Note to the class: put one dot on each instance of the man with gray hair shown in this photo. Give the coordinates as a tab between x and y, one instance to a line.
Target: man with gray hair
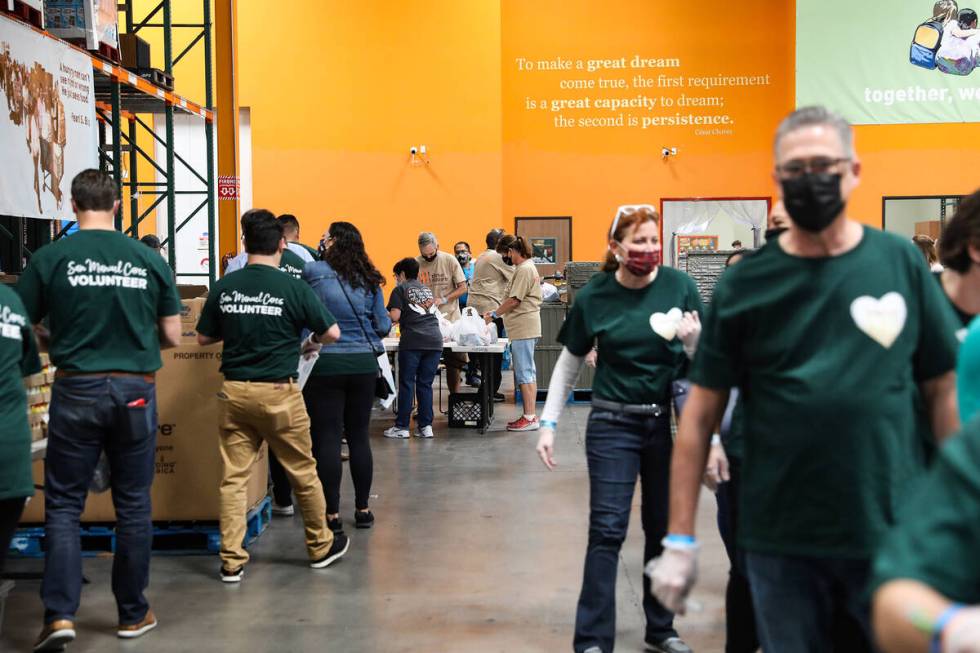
443	275
836	337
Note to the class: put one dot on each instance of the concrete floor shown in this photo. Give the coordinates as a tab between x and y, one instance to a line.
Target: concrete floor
476	548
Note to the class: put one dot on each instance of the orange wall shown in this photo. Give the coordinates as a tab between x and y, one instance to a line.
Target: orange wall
339	91
587	173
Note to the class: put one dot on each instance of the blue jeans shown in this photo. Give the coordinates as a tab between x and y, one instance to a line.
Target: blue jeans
416	372
90	414
621	448
810	605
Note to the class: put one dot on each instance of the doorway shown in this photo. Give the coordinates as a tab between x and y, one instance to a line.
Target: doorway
910	215
550	239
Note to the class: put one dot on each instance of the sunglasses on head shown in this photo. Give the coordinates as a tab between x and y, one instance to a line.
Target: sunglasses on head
625	210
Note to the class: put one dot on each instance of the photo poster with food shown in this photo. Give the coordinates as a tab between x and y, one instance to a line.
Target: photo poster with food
96	21
48	129
544	250
697	244
879	63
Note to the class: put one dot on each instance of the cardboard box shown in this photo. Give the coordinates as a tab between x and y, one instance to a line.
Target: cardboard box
190	313
188	464
189	291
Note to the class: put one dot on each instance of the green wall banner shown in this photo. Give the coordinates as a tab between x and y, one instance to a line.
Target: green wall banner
886	62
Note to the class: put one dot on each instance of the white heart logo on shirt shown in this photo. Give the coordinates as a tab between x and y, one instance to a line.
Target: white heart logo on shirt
883	319
961	335
665	324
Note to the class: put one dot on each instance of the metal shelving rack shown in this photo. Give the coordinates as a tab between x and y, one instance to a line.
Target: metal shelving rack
122	96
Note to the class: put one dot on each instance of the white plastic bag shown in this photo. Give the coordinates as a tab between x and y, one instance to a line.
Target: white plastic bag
445	326
471	329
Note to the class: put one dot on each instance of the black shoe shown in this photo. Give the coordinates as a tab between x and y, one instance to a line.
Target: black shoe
499	397
335	525
473	381
363	519
232	575
669	645
340	545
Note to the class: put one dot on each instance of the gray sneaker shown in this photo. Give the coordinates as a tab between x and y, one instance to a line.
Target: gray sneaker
669	645
593	649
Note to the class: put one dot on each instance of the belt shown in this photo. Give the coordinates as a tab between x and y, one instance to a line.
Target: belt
65	374
285	381
652	410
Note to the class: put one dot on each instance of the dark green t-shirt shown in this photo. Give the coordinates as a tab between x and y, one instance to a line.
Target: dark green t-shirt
938	531
104	294
291	264
315	254
828	354
18	358
260	313
639	353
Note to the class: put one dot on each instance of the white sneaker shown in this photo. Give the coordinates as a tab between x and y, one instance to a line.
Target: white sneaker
423	432
283	511
397	433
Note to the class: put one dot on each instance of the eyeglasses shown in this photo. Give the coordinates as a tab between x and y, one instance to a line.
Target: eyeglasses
628	209
818	166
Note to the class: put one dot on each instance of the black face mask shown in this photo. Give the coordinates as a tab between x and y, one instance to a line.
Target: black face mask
463	258
813	201
429	259
773	234
508	260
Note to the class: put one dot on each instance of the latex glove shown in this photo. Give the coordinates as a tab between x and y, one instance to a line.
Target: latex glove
673	575
546	447
716	471
962	634
592	358
688	332
309	348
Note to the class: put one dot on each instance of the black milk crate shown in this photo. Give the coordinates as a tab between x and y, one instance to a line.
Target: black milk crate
465	410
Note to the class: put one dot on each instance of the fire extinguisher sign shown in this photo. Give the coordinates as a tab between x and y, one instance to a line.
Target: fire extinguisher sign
227	188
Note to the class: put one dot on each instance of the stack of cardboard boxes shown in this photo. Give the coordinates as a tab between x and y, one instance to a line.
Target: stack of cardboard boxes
188	463
38	398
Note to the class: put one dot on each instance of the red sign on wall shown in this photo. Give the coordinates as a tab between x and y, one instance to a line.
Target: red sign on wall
227	187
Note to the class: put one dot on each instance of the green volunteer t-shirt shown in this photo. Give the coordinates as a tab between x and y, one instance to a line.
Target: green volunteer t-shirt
315	254
639	352
935	541
828	354
103	294
291	264
260	313
18	358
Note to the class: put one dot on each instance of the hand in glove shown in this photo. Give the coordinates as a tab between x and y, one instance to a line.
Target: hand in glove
688	332
674	573
716	471
962	634
310	348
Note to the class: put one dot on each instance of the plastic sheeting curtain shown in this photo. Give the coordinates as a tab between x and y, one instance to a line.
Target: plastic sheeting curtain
697	215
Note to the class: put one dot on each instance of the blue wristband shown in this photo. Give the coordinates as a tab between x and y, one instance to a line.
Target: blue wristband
936	646
686	540
548	424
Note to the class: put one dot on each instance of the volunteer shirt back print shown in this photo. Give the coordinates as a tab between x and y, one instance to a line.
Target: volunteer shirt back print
260	312
103	294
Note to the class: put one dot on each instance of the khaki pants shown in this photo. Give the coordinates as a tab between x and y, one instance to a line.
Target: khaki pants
250	413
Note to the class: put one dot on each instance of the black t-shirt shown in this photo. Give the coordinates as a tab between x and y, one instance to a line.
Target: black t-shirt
419	327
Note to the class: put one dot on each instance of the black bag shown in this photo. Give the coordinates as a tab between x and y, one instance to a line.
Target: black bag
381	387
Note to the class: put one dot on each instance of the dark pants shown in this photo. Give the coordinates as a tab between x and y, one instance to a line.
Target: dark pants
282	491
416	372
810	605
740	635
340	406
619	449
10	511
90	414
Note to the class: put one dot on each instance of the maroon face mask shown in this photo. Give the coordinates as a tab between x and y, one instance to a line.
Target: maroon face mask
640	263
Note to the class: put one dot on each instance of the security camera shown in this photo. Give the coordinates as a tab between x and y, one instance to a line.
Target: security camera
414	150
665	151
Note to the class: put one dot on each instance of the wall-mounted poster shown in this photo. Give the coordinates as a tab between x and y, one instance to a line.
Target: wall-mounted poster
697	244
48	131
543	250
96	21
